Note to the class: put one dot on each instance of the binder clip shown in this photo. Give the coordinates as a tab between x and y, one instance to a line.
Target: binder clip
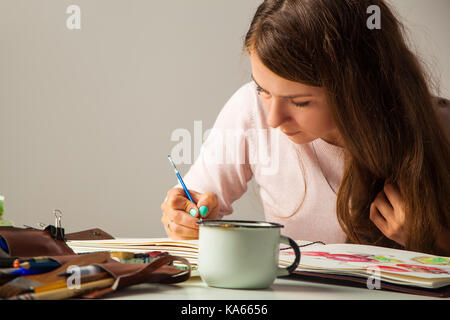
56	231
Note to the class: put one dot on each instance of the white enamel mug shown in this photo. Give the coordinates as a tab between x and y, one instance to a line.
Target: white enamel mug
242	254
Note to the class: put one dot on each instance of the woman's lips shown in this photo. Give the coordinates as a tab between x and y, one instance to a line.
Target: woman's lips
290	134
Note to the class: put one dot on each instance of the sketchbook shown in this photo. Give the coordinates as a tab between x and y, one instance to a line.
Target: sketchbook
388	265
183	248
393	267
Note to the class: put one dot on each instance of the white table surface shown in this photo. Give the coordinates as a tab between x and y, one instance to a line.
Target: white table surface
282	289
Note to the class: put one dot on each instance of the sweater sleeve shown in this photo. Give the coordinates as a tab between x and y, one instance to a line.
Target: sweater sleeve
223	165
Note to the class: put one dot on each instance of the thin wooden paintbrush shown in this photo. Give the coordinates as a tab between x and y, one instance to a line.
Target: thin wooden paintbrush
65	293
23	285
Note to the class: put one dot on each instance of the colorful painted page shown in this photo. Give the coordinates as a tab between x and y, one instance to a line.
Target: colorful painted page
392	265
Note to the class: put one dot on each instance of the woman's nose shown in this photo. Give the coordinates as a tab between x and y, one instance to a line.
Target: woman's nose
276	114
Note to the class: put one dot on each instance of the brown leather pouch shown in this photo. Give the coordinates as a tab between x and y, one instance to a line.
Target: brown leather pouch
50	242
29	242
121	275
128	274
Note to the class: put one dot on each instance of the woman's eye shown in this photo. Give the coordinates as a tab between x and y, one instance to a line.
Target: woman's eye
260	91
300	105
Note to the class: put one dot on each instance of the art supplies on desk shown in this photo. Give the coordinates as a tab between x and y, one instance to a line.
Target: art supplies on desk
38	264
132	257
64	292
24	288
92	275
398	270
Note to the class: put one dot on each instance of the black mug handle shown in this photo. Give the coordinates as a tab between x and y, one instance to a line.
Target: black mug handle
287	271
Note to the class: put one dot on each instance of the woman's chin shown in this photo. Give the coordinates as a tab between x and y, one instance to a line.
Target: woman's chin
300	138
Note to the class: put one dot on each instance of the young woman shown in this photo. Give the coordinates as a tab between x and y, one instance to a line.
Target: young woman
358	148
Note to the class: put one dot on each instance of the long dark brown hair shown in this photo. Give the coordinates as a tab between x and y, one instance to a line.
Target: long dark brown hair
382	105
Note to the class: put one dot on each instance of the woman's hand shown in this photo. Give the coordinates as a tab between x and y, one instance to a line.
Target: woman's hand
180	215
387	212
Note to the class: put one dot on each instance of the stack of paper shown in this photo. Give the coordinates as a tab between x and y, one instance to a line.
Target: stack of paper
183	248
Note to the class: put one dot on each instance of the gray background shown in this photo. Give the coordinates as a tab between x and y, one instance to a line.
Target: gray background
86	116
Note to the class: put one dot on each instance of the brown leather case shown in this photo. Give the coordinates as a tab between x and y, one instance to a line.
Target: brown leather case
124	274
128	274
30	242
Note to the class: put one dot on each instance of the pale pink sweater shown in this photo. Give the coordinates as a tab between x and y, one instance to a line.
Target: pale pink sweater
297	183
